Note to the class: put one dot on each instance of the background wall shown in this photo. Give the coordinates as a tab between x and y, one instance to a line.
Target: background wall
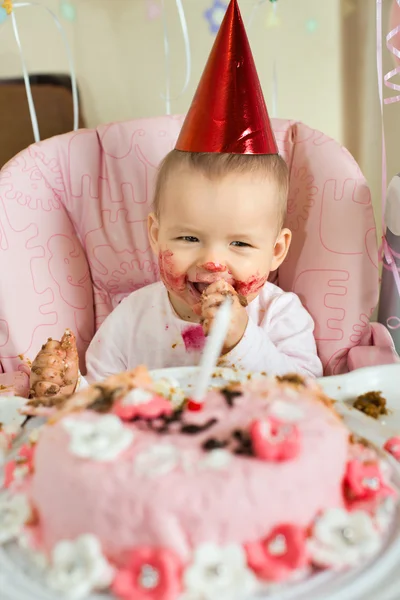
325	54
119	55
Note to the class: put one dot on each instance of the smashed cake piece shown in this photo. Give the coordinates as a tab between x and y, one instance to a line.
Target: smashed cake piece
292	378
372	404
55	370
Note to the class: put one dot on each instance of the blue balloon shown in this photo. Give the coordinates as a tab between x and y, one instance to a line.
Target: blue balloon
3	15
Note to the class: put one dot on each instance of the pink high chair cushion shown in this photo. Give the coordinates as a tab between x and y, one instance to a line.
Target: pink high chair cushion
73	235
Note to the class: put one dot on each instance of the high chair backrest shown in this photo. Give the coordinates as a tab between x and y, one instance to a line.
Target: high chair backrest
73	238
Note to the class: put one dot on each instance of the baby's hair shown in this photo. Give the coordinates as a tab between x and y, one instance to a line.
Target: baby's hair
215	165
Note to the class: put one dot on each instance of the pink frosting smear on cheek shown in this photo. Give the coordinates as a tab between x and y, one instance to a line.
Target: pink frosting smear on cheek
175	282
193	338
251	286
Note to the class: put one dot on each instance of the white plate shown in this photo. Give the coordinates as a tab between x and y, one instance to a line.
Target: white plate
379	578
9	415
385	379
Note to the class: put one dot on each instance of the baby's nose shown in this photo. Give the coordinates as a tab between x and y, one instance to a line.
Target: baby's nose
213	267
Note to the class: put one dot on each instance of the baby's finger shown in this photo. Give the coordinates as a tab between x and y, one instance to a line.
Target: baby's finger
210	313
212	301
220	286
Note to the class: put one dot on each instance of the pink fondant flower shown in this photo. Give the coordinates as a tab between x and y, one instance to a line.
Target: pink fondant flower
393	447
20	467
364	481
280	554
142	403
151	574
275	440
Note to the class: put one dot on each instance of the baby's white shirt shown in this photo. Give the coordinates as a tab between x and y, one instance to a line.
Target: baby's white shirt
145	330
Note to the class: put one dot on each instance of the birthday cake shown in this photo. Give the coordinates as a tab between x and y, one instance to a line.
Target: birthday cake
261	483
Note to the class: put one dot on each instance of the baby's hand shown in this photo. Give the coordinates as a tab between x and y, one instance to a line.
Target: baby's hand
55	369
211	300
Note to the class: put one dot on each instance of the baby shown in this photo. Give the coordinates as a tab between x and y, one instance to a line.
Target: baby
217	229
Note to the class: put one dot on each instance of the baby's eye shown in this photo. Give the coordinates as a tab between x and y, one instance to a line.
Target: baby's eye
188	238
238	244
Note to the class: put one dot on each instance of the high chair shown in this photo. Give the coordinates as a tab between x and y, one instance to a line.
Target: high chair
73	240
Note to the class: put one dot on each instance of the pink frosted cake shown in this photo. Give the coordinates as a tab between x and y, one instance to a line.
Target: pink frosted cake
261	484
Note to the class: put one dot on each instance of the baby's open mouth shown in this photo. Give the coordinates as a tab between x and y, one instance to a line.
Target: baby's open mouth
200	286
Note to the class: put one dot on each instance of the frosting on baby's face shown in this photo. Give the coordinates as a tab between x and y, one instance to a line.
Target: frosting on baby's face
212	229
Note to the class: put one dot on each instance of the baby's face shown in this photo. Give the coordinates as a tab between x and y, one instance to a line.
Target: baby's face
216	229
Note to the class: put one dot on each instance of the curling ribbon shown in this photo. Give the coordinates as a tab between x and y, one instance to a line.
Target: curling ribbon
254	10
9	6
385	249
185	33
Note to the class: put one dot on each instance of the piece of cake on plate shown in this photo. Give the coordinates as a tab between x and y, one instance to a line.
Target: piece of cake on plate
260	485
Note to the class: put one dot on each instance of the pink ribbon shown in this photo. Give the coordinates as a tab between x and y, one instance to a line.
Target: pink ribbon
385	249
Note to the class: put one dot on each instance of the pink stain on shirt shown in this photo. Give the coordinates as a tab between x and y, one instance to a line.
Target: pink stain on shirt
193	338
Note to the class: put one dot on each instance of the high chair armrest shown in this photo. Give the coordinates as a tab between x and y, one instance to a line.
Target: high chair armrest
381	351
15	383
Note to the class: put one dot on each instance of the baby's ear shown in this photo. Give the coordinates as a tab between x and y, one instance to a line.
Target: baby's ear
153	229
281	248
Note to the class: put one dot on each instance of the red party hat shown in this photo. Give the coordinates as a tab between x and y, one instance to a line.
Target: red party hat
228	112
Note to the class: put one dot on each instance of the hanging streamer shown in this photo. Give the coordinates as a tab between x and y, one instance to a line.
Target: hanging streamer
185	33
386	253
9	7
256	6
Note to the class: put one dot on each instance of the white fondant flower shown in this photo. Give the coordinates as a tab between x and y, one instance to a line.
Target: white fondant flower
342	539
218	572
78	568
286	411
136	397
102	439
171	389
158	459
14	513
217	459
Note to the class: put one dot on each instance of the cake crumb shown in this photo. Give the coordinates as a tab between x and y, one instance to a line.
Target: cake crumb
174	346
292	378
355	439
372	404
